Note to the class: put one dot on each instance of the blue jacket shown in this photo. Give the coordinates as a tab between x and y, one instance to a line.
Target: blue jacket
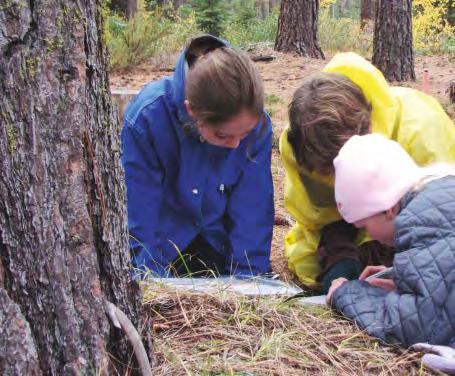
179	187
422	308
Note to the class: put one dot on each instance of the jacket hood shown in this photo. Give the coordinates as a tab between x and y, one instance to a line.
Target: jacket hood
374	87
385	108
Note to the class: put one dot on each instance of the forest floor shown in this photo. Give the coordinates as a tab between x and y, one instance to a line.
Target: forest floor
335	346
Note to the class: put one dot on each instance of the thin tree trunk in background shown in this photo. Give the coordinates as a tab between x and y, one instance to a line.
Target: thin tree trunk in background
392	42
118	6
273	4
452	91
263	9
63	233
131	9
367	12
297	28
178	3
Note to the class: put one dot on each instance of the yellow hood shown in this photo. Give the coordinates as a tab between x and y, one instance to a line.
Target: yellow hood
374	87
412	118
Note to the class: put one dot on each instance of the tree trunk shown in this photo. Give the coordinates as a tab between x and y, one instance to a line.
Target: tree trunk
452	91
263	9
297	28
178	3
273	4
118	6
367	12
63	233
392	42
131	9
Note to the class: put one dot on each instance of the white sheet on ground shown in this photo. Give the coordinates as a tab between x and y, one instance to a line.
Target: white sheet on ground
318	299
244	286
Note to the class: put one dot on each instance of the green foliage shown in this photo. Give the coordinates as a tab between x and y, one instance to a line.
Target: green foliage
270	102
448	47
211	15
159	29
343	34
11	136
432	33
148	34
243	12
352	10
242	31
271	99
186	10
451	13
339	27
165	7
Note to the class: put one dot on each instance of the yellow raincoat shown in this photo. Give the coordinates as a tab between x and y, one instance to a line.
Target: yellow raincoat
412	118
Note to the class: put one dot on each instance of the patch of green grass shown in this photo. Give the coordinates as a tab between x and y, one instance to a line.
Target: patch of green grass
271	102
271	99
245	29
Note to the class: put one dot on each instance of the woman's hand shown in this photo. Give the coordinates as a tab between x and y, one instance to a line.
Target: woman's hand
386	284
335	284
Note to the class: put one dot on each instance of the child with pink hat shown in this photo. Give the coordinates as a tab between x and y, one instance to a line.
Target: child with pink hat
379	187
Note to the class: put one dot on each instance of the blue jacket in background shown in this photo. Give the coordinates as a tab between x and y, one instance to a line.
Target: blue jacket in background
179	186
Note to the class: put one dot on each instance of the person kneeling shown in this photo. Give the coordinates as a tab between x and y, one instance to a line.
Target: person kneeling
380	188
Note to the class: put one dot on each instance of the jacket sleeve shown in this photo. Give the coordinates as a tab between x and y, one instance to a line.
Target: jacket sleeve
302	240
311	214
143	176
366	305
425	130
251	212
404	316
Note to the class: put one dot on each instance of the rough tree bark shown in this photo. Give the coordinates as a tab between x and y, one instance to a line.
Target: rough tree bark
367	12
392	42
63	234
297	28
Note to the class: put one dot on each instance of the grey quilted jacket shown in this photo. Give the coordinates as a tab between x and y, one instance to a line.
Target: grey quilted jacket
422	308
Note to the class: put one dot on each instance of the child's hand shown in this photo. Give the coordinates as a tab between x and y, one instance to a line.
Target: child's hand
386	284
370	270
438	358
335	284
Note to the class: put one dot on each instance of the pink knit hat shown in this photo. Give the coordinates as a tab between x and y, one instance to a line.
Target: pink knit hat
372	174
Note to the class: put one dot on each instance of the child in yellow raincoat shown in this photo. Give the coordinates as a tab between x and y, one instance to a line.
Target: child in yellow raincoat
350	96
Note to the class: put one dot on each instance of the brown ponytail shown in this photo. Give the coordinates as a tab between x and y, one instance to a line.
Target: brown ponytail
222	83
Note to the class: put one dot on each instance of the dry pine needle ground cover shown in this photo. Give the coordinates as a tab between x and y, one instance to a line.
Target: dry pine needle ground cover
227	334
